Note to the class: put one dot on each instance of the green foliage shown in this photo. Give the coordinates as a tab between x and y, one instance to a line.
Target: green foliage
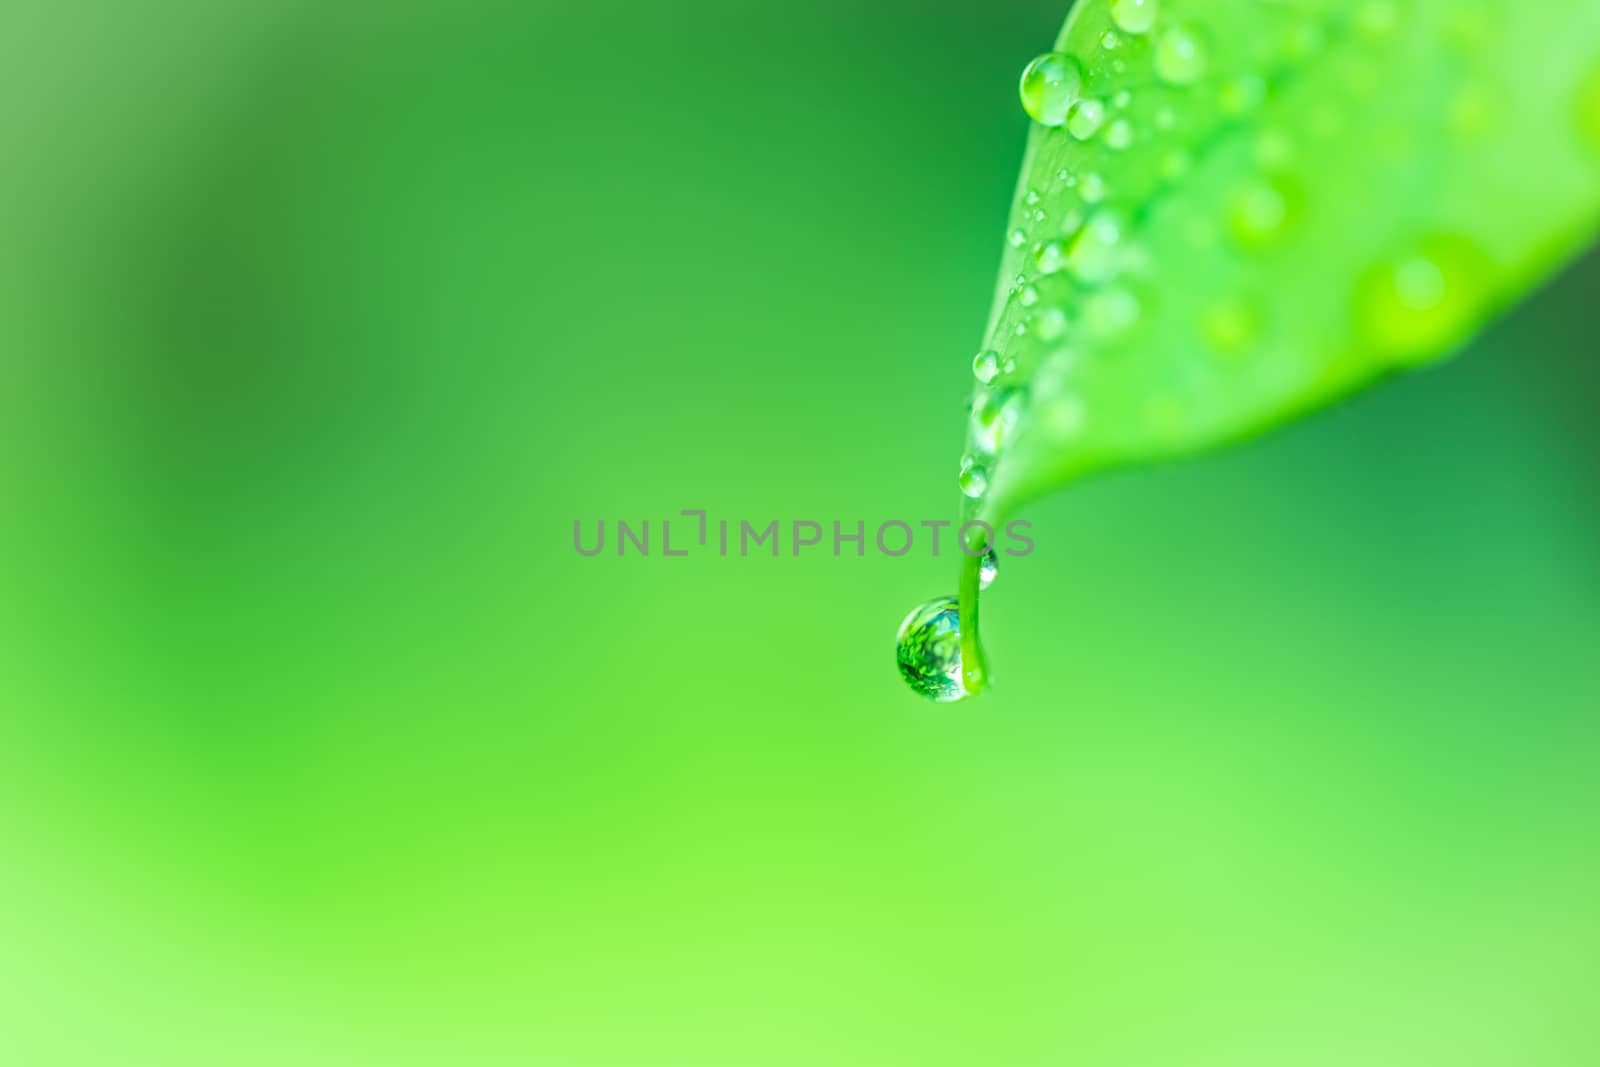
1234	211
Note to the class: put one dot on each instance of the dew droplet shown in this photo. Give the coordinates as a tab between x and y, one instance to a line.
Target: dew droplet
1092	188
1029	296
1050	85
1093	255
1085	118
1110	312
1180	56
1032	197
1134	16
996	418
1420	303
1050	323
1261	211
1122	99
989	569
928	650
1109	40
985	365
1119	135
1018	238
974	480
1051	257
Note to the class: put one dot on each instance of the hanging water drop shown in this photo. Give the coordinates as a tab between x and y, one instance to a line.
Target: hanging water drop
989	569
928	650
1050	86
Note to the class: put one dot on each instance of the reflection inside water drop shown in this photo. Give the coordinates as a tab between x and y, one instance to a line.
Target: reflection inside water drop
928	650
989	569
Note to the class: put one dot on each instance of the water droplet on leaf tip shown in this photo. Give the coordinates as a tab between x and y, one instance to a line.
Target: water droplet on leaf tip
989	569
928	650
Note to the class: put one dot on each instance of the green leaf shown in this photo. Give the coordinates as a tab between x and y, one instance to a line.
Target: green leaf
1254	207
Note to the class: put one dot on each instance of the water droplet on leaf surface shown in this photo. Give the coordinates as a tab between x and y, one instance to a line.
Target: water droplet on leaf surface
1085	118
974	480
1050	86
1134	16
1180	56
985	365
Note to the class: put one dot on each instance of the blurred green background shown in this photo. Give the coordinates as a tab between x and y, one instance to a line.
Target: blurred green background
320	326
